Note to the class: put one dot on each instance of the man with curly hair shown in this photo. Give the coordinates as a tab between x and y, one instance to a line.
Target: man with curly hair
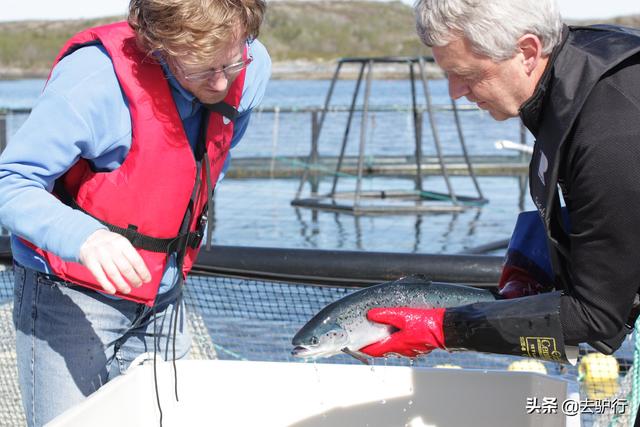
107	187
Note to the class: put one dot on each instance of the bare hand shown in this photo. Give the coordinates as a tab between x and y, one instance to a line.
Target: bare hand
113	261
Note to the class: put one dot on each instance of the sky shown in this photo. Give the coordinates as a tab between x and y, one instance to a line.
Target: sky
15	10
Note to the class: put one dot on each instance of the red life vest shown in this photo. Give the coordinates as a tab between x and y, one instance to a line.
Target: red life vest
152	189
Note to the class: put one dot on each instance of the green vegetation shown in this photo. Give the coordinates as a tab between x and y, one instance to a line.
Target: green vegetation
326	30
313	31
28	48
293	30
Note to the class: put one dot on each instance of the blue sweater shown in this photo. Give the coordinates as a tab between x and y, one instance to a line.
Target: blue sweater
82	113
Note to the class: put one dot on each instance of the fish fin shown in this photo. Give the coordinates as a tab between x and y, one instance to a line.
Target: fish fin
355	355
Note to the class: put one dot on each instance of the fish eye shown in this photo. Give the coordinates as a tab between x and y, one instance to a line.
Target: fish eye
314	340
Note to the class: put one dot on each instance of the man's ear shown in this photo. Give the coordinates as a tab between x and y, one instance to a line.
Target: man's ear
530	47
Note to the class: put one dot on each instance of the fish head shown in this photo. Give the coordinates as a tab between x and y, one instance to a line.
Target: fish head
320	337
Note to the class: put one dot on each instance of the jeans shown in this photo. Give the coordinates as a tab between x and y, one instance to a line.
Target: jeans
71	340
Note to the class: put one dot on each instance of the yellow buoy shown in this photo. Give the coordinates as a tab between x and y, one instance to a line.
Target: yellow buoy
528	365
599	375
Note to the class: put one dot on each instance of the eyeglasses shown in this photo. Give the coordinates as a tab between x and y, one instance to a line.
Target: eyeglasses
230	71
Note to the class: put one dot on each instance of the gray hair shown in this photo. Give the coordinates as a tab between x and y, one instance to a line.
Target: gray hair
492	26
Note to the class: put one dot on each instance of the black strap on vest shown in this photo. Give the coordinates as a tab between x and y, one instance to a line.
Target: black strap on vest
224	109
139	240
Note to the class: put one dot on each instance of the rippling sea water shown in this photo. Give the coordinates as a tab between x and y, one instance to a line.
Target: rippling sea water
257	212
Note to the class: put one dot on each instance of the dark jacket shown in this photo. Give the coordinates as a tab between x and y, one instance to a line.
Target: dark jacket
585	116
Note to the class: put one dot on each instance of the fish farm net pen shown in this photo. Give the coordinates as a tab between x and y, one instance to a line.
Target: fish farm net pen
244	319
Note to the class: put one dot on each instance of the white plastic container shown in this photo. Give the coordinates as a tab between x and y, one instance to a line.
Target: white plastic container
236	393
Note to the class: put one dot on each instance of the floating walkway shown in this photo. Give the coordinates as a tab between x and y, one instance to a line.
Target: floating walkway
400	166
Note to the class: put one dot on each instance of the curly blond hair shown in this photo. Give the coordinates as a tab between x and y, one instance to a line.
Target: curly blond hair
194	29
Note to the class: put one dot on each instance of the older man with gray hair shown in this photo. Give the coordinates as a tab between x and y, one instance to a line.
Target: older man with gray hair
577	89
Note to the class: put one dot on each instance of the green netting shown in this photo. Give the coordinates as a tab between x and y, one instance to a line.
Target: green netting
246	319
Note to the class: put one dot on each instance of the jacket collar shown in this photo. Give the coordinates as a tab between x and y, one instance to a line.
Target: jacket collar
532	107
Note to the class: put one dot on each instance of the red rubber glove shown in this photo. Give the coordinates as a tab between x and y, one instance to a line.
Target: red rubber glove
420	331
516	282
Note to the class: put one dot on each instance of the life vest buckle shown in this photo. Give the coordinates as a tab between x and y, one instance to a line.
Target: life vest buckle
195	237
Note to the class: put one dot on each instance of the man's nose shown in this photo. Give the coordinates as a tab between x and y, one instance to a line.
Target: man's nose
457	88
218	82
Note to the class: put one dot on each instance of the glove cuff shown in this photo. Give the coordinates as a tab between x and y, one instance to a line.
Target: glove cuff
528	326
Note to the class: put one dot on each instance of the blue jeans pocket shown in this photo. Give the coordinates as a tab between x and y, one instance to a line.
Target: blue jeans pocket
47	281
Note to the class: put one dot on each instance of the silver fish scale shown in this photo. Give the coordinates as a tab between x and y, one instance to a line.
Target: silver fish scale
415	295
